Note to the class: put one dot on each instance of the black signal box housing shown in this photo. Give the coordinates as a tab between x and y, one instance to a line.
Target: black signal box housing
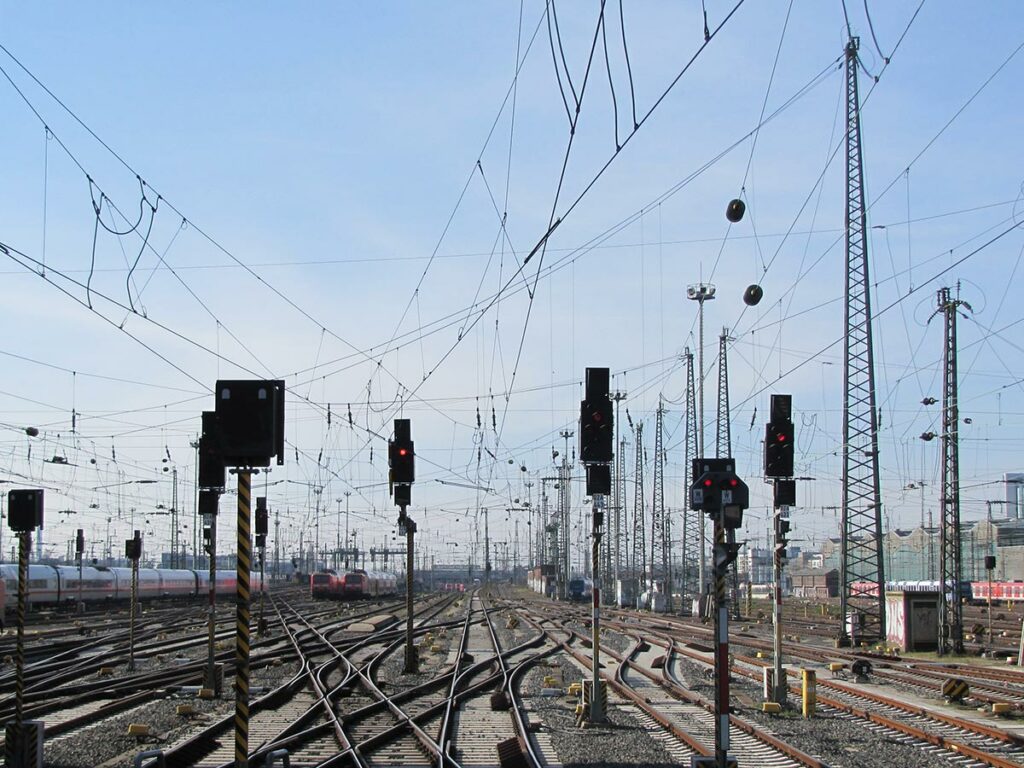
133	547
25	509
262	520
250	421
785	493
212	472
599	479
208	502
403	495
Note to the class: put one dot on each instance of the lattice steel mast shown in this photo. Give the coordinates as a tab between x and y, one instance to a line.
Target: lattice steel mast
625	569
951	617
723	447
723	433
661	527
861	547
618	527
693	546
639	537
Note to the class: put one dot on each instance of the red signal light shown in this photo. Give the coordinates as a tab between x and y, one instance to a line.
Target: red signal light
596	416
781	438
403	451
733	482
707	483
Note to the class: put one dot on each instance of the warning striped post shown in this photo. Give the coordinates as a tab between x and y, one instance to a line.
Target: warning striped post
242	622
24	545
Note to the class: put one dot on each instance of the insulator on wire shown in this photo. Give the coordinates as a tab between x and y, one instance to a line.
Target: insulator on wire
752	296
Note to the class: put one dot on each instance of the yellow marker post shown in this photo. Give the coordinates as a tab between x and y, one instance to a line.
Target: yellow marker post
810	691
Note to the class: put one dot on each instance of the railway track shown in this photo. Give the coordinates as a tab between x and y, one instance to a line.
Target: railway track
685	716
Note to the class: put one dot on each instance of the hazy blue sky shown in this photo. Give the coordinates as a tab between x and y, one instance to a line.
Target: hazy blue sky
359	158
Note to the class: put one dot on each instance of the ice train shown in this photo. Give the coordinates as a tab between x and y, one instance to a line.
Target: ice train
57	584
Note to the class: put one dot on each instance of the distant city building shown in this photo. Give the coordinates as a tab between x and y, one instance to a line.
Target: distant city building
913	554
815	583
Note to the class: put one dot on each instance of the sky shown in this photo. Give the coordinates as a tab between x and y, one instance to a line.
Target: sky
362	198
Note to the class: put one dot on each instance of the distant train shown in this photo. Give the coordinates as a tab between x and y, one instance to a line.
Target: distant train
971	591
352	585
580	590
57	584
761	591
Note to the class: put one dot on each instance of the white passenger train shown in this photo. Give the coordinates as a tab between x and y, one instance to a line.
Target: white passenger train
56	584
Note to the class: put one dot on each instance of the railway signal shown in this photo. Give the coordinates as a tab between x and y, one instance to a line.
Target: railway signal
402	463
23	740
212	482
597	434
247	431
79	556
722	495
133	551
778	438
262	528
597	438
778	465
402	454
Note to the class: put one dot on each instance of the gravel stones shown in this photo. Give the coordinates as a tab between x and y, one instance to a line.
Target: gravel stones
622	741
107	743
838	740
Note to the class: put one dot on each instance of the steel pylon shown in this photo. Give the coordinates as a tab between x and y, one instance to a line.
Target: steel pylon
661	525
951	616
692	576
639	536
723	446
862	577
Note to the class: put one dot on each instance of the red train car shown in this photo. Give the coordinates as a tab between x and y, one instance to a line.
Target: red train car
324	584
352	585
1001	590
359	583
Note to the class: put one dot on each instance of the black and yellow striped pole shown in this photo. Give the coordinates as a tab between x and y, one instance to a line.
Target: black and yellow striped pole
242	622
24	546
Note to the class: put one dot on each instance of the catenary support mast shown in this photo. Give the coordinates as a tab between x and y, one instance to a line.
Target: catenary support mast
723	448
639	537
661	526
951	618
693	543
861	546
